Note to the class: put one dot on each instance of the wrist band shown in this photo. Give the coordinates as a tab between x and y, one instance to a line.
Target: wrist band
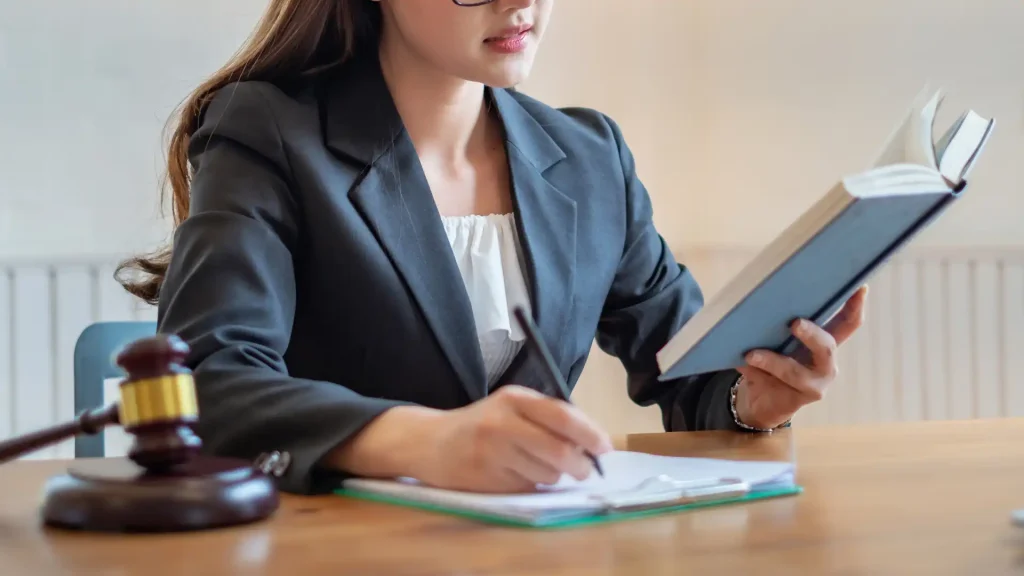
736	416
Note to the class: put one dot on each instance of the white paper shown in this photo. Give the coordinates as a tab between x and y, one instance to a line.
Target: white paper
623	471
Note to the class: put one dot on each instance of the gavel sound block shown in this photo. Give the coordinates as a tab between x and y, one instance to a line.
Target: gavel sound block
164	484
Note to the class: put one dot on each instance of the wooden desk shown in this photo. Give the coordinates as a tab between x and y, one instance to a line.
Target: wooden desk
929	498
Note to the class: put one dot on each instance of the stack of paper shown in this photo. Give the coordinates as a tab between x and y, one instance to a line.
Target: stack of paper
629	476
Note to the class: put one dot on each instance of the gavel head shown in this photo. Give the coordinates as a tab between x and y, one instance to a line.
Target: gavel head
158	402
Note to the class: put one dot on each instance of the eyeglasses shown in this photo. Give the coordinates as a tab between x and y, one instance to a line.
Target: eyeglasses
471	2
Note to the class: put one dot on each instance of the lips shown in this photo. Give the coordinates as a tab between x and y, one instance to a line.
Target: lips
511	40
510	32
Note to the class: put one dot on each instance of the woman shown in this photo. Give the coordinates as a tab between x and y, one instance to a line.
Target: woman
367	201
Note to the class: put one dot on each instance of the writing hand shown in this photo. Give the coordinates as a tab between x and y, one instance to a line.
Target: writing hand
775	387
511	441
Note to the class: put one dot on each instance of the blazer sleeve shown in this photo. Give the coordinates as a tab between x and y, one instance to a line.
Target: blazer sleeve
650	298
230	294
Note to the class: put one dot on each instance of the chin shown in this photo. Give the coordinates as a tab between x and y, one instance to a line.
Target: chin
505	76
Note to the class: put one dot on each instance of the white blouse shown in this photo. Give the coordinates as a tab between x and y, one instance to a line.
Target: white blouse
486	249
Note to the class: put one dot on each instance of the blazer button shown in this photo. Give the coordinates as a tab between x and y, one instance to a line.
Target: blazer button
274	463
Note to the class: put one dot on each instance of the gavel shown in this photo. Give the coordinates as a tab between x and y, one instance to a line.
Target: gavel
165	484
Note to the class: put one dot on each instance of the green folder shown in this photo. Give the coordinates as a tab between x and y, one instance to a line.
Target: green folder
568	520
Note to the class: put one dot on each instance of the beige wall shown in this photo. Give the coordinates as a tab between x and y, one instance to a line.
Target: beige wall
741	113
637	62
800	91
727	104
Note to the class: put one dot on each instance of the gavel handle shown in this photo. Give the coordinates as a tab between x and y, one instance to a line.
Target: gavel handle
89	422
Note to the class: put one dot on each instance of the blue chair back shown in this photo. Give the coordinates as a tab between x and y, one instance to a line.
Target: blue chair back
94	362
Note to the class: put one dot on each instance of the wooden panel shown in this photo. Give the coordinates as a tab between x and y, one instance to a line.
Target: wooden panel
6	358
33	351
943	340
885	348
908	329
863	406
74	307
941	329
988	291
1013	339
936	345
959	355
841	400
934	326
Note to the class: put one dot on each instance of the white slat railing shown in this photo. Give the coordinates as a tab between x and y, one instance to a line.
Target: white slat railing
943	340
943	337
44	306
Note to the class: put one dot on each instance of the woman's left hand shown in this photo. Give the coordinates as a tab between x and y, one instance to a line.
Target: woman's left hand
774	387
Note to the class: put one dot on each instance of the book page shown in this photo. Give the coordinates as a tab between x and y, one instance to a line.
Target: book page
943	143
894	180
962	144
911	141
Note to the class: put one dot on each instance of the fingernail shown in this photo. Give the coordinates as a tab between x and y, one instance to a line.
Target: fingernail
755	358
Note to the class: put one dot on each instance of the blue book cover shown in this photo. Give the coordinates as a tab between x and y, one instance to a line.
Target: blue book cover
834	247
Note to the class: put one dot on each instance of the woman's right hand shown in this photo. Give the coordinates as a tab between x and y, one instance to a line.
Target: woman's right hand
511	441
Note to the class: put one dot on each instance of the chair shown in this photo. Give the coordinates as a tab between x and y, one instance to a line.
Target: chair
94	362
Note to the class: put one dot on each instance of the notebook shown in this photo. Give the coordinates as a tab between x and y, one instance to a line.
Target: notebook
833	248
635	484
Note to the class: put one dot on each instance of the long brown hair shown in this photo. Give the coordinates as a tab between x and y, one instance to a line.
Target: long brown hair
294	38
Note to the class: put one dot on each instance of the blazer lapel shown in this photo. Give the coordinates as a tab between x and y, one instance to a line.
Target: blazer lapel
362	124
395	200
546	218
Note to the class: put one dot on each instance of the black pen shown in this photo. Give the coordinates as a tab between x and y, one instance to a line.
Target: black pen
551	375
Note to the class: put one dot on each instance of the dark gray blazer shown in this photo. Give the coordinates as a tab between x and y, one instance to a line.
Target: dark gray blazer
316	287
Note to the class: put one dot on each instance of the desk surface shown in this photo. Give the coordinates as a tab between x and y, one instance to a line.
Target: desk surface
925	498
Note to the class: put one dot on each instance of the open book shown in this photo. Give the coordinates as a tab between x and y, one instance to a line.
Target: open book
820	260
634	483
